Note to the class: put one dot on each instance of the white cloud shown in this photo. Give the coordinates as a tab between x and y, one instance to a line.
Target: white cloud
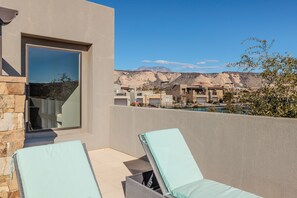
183	65
201	63
212	61
165	62
207	61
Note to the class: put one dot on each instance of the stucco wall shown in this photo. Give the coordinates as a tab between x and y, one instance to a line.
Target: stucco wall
257	154
75	22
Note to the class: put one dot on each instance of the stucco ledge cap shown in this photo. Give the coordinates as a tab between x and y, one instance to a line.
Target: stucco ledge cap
15	79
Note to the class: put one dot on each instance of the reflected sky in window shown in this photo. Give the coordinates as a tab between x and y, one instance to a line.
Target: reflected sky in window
47	65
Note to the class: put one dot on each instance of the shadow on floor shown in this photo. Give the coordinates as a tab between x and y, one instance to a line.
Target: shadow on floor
139	165
136	166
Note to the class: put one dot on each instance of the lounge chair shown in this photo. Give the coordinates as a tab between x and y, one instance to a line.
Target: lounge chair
176	170
59	170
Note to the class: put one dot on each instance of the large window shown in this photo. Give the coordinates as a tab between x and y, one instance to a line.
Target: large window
54	94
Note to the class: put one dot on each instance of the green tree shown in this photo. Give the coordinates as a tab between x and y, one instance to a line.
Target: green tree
277	96
230	108
228	97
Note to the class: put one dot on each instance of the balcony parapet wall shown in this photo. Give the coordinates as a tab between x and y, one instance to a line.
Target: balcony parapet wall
12	106
256	154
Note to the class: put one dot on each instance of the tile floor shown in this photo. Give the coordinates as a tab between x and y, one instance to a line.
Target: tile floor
111	168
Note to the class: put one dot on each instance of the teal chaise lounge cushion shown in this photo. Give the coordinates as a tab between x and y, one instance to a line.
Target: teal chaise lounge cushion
210	189
59	170
175	162
179	170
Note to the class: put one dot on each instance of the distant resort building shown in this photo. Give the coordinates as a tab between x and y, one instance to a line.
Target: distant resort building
178	94
126	96
122	96
184	94
216	93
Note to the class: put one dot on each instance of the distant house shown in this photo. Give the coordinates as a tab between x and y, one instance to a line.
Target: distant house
122	95
179	93
167	100
183	93
198	94
140	96
216	93
159	99
125	96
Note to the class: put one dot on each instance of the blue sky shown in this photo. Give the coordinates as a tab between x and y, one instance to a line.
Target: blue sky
198	35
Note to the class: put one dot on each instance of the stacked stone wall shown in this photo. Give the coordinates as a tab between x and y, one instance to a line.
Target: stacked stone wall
12	107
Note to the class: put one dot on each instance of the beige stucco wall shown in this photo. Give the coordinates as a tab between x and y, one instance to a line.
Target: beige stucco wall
74	21
257	154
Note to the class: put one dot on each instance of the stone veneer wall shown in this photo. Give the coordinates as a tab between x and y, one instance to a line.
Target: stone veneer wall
12	106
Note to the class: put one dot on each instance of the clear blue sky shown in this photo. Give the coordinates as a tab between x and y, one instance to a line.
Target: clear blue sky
197	35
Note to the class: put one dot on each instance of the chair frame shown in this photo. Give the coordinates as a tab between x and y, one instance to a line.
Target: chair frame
166	193
156	171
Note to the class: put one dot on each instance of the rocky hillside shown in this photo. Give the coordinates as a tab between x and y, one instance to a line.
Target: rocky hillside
152	79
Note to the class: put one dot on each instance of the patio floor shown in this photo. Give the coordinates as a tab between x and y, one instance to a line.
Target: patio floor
111	168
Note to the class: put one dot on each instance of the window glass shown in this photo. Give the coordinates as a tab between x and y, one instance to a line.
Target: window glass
54	88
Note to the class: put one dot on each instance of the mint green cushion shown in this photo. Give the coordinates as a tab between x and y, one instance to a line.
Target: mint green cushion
210	189
56	171
173	158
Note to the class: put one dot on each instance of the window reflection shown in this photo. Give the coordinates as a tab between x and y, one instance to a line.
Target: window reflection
54	88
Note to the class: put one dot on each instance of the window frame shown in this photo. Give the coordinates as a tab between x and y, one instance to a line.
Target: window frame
27	114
